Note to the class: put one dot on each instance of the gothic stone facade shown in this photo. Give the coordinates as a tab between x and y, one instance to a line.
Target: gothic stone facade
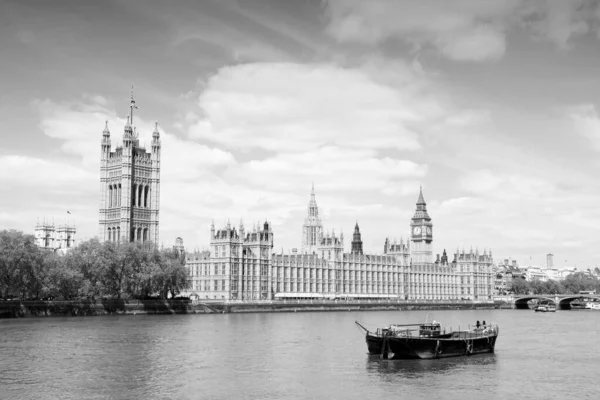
322	269
60	238
237	267
129	187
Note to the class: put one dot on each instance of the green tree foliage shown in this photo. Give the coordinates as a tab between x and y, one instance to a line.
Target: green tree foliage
520	286
90	270
20	264
578	281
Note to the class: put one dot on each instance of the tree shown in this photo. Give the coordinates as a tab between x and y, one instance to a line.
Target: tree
578	281
172	277
536	286
553	287
63	278
89	259
520	286
20	263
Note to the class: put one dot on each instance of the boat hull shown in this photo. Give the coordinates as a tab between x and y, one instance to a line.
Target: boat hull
406	348
545	309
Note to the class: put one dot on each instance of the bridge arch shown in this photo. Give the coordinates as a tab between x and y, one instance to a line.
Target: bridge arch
564	302
521	302
561	301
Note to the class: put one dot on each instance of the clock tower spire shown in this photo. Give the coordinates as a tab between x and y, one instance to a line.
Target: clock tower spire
421	233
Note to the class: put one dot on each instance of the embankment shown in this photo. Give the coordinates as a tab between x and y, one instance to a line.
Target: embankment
31	308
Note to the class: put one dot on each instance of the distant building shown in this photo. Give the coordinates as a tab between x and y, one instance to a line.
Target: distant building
357	245
549	260
238	266
179	248
129	187
61	238
241	266
533	273
312	230
421	229
507	270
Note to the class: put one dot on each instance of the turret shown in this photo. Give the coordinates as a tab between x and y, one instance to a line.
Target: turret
105	142
356	241
127	134
155	139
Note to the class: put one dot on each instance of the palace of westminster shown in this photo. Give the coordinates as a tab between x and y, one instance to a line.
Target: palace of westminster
241	264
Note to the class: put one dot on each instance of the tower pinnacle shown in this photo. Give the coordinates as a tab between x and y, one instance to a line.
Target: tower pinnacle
421	200
312	231
131	106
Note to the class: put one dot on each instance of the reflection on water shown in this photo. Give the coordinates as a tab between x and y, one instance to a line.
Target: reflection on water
417	369
289	356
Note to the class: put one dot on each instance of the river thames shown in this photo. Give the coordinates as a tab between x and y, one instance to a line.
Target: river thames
312	355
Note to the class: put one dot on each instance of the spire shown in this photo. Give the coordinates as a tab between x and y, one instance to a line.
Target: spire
156	133
313	201
131	106
356	241
106	132
421	200
421	211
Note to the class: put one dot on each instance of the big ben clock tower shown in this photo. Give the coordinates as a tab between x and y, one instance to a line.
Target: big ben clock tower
421	233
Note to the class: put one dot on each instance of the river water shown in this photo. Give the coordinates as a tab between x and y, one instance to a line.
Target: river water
312	355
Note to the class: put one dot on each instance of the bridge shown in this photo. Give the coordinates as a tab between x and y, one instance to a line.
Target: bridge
561	301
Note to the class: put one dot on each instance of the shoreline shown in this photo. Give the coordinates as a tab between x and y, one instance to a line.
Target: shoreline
77	308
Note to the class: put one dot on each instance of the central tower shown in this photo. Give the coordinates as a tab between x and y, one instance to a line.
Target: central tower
129	186
312	230
421	233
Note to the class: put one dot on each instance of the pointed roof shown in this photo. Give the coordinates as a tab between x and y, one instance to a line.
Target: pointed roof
421	200
106	131
356	227
421	211
312	195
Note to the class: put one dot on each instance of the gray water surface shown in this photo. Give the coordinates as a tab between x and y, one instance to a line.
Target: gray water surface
292	356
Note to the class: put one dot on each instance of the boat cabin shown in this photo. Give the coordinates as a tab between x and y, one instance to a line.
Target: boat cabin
430	330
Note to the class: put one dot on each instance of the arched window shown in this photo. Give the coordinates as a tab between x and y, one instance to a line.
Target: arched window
146	191
139	234
140	195
110	192
110	234
133	200
119	196
145	234
118	234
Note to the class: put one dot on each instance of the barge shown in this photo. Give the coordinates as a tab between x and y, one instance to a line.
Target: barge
430	341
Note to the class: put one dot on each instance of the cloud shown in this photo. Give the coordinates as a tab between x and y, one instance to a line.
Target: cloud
559	21
586	121
351	131
18	170
463	30
294	107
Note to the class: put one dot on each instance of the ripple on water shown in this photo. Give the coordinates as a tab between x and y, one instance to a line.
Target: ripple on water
289	356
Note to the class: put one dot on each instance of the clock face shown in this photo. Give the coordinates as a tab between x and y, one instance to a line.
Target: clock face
429	230
417	230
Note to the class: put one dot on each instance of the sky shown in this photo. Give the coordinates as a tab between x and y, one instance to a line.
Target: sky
491	106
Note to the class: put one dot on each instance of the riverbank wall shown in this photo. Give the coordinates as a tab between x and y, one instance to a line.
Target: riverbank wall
35	308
